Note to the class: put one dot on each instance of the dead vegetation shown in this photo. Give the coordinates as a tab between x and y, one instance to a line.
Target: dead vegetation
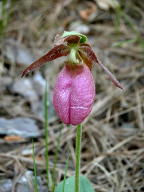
113	136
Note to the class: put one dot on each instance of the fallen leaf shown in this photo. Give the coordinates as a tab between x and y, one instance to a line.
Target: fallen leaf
12	138
87	13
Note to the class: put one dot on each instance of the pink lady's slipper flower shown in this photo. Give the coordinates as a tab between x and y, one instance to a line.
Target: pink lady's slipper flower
74	94
74	91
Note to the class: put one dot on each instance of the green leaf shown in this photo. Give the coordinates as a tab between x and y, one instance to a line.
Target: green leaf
85	185
83	38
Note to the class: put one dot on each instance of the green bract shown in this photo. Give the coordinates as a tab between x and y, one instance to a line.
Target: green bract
83	38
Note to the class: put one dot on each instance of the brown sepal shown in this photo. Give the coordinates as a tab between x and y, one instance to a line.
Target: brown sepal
72	39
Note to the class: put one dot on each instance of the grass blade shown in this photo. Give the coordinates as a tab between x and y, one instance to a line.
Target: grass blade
55	161
46	133
66	168
35	169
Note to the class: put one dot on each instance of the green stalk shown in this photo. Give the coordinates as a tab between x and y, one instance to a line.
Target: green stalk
55	161
46	133
78	156
35	169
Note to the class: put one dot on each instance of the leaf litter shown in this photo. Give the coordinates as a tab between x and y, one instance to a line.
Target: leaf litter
113	135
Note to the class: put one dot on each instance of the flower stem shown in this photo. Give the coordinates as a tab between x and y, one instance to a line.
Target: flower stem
78	155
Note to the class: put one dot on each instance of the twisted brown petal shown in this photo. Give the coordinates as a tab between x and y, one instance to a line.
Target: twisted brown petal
54	53
89	53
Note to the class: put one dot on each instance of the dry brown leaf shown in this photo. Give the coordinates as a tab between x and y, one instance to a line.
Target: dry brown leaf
86	13
12	138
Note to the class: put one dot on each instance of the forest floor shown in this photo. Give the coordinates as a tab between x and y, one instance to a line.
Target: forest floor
113	135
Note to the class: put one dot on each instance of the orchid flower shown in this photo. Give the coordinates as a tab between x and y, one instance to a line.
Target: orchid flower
74	91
